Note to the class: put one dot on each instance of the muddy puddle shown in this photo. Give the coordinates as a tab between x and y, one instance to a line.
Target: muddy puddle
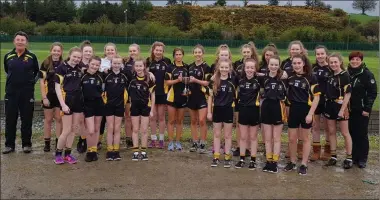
176	175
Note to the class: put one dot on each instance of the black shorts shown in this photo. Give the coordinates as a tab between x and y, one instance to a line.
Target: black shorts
160	99
249	115
237	107
223	114
138	109
197	102
114	110
321	106
75	102
332	109
53	100
93	108
272	112
297	115
177	104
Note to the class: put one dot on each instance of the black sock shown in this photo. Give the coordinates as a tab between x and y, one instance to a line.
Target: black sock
58	152
47	141
242	158
56	143
333	153
253	159
67	151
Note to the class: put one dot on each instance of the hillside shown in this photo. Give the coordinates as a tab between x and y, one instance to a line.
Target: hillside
279	18
363	18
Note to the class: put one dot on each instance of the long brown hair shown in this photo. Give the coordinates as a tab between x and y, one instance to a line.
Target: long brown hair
251	45
279	71
340	58
267	48
243	73
217	74
138	59
154	45
321	47
48	62
307	68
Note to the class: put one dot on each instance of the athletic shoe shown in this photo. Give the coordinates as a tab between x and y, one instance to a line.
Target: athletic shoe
273	168
171	146
59	160
95	156
27	149
347	163
8	150
109	156
331	162
194	147
178	146
161	144
290	166
240	164
236	152
252	165
135	156
88	157
99	146
80	145
362	164
215	162
152	144
202	149
227	163
267	167
302	170
144	156
70	159
116	156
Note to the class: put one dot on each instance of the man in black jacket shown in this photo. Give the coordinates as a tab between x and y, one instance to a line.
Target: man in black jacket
364	92
21	67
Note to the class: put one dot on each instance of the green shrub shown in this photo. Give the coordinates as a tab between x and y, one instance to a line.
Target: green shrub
10	25
337	12
54	28
262	32
211	30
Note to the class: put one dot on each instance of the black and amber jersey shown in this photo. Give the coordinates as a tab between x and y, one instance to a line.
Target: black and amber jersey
249	90
48	76
200	72
226	93
128	68
115	88
92	85
172	73
286	66
69	77
158	68
302	88
264	69
140	90
238	66
338	85
21	69
83	66
274	88
322	73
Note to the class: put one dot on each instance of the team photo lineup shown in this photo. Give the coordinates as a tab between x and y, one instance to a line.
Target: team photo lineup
90	96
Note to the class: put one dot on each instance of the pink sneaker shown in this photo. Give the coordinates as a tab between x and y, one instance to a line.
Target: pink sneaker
152	144
70	159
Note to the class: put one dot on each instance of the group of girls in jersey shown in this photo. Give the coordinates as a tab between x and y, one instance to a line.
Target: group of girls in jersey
84	89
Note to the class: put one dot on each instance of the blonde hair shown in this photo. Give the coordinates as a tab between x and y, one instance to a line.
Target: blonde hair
251	46
297	42
340	58
107	45
72	50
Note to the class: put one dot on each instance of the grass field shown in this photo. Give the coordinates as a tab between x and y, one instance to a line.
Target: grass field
42	51
363	18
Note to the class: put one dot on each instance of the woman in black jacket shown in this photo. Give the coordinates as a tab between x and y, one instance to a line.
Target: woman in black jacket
364	92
